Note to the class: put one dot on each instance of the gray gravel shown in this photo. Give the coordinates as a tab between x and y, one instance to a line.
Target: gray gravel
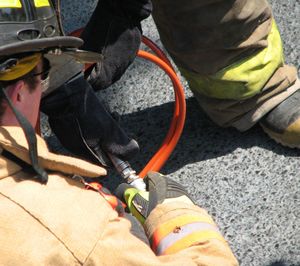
247	182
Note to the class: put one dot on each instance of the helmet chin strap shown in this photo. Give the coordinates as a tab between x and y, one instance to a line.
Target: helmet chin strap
29	132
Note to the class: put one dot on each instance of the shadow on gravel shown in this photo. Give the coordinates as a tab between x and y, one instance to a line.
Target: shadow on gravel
201	138
282	263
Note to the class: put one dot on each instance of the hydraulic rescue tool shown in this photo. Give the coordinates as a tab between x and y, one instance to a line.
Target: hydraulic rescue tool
177	123
169	143
129	175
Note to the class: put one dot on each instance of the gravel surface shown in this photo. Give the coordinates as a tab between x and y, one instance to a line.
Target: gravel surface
246	181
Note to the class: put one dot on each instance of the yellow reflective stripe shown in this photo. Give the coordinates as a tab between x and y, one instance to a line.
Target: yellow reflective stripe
182	232
10	4
193	239
41	3
244	78
168	227
23	66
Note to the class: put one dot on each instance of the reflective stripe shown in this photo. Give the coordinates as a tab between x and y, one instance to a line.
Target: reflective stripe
169	226
193	239
41	3
182	232
244	78
10	3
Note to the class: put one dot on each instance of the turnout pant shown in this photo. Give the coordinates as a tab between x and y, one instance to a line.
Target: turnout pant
230	52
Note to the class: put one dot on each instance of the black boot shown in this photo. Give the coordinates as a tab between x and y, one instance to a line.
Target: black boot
283	123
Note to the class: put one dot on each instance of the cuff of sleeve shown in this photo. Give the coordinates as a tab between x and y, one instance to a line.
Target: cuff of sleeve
175	226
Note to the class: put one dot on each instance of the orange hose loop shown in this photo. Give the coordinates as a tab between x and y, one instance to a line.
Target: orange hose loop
169	143
156	50
162	56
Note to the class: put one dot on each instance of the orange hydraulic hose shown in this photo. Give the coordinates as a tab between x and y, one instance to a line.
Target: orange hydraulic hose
178	119
169	143
158	52
162	56
175	130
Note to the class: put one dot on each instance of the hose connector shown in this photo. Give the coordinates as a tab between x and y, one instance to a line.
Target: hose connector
129	175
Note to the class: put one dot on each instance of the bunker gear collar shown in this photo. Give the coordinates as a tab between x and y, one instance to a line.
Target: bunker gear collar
14	141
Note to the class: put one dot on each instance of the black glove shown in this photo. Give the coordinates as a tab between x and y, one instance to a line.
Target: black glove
114	30
136	10
83	125
160	189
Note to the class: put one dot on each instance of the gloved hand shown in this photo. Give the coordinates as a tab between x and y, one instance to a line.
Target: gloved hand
137	10
83	125
160	189
114	30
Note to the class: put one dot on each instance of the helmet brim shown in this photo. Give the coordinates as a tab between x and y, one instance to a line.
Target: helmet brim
67	44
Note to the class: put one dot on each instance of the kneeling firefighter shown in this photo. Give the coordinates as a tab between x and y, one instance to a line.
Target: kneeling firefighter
48	217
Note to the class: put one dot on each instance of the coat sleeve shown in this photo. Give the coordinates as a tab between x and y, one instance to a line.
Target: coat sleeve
193	240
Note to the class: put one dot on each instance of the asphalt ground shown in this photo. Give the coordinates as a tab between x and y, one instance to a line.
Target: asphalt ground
247	182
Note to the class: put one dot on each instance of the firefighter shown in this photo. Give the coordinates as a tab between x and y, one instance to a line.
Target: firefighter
231	54
48	217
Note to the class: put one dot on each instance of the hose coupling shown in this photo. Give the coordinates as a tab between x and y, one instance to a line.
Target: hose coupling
128	174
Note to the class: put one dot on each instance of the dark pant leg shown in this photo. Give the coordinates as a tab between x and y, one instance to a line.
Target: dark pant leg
230	52
204	36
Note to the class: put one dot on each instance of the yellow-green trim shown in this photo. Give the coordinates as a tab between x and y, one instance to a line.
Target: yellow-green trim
244	78
10	4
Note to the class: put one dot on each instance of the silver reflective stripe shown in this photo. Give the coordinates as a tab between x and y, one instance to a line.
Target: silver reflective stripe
185	230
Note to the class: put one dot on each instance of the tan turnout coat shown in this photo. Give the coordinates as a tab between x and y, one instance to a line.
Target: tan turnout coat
62	223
